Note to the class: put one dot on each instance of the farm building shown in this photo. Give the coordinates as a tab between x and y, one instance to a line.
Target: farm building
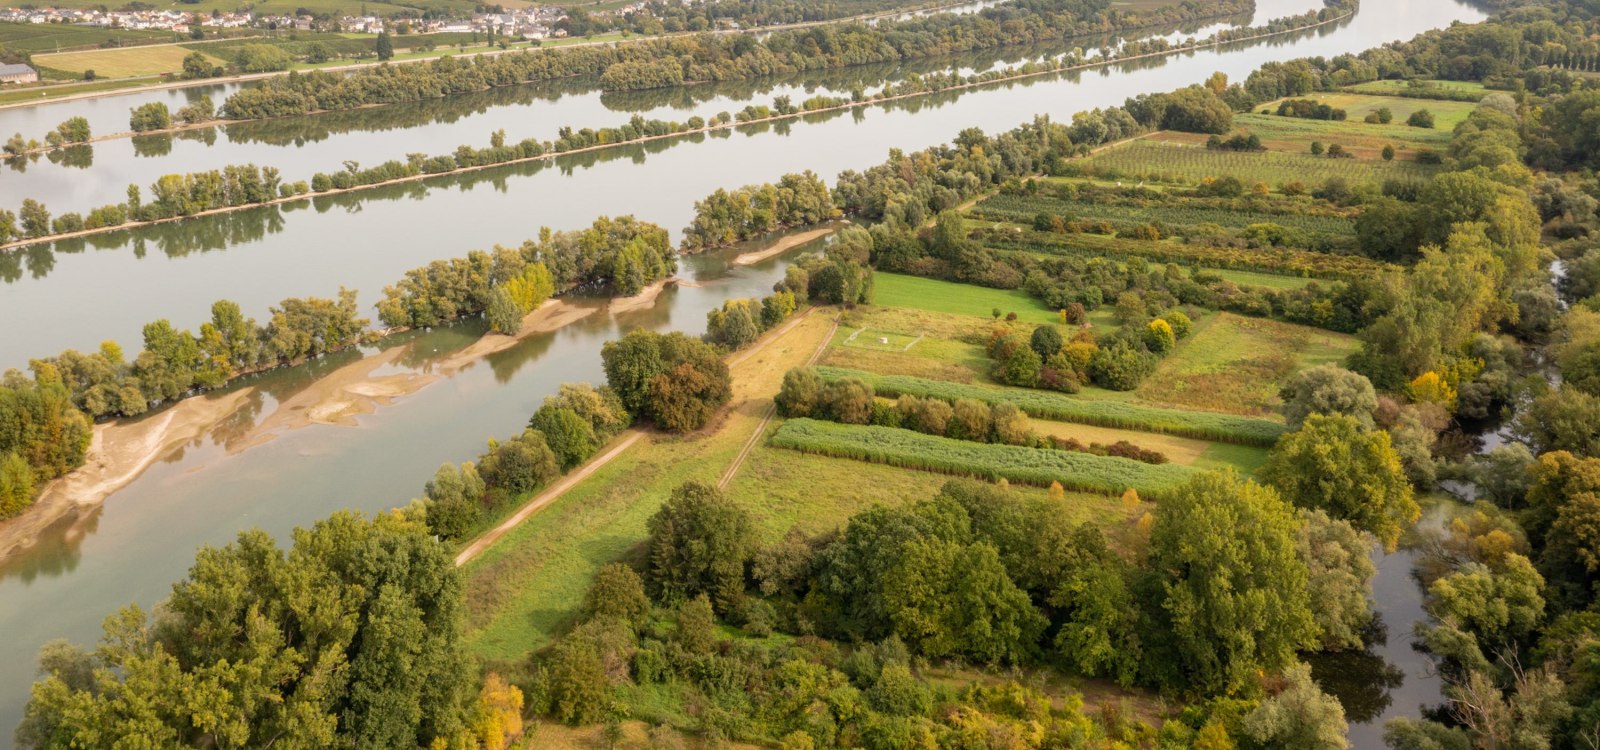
18	73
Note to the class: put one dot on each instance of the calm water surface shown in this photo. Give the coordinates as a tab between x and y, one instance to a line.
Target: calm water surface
77	294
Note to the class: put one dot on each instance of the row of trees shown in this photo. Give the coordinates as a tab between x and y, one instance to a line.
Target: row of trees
729	216
623	254
711	57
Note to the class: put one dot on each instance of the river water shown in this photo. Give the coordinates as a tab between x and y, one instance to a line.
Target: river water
77	294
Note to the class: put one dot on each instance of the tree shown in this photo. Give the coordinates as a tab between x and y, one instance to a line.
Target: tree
519	465
245	653
684	398
617	592
699	543
150	116
1099	633
1298	717
947	599
1499	607
801	392
35	218
1421	118
571	437
1233	595
1046	340
1340	577
1158	336
1328	389
848	400
385	47
1388	152
673	379
1331	464
503	313
1562	419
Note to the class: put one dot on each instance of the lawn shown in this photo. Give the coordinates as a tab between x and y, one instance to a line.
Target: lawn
879	340
123	62
1461	90
899	290
1237	364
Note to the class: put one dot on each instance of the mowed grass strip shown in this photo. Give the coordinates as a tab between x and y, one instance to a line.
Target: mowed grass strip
1036	466
916	292
1227	428
122	63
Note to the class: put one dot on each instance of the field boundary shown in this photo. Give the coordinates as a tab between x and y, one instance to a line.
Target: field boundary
772	411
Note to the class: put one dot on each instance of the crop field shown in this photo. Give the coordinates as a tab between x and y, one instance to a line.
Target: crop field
1282	263
49	37
122	62
1023	208
1229	428
1446	114
1036	466
1175	160
1237	364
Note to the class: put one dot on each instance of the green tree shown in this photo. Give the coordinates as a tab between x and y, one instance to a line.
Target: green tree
699	543
1233	591
1299	716
1340	577
351	638
151	116
35	218
946	599
1388	152
1331	464
519	465
570	437
800	393
503	313
1498	606
1421	118
1328	389
1046	340
385	47
618	593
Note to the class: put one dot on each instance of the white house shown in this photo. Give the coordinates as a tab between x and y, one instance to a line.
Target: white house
18	73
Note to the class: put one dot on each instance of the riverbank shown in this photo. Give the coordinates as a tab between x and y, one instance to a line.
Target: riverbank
118	454
121	451
787	243
163	83
548	156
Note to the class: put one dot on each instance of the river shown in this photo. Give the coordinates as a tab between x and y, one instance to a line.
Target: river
77	294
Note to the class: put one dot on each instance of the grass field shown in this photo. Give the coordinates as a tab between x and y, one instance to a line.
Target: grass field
1237	364
899	290
1446	114
1466	90
49	37
1201	454
879	340
122	62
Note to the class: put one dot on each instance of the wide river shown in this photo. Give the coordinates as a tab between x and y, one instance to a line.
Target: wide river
78	294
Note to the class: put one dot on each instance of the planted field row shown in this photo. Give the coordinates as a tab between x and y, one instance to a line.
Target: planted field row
1274	260
1164	161
1023	209
1225	428
1036	466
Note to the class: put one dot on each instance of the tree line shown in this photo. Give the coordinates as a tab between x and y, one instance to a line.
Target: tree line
710	57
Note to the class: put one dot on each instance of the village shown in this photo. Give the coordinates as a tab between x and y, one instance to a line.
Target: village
535	22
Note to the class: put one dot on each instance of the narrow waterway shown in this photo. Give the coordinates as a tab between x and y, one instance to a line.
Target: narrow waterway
79	293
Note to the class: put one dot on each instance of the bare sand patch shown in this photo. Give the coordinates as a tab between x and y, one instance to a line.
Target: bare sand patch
785	245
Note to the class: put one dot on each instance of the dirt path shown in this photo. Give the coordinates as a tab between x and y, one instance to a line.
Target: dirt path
772	410
550	495
631	436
